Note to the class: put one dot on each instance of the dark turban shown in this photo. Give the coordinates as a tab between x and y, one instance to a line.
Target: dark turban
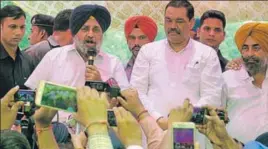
82	13
263	138
146	24
258	31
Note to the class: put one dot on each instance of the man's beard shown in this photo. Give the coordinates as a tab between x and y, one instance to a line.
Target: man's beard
255	65
80	46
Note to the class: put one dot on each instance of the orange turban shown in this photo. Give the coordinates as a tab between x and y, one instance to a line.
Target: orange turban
146	24
258	31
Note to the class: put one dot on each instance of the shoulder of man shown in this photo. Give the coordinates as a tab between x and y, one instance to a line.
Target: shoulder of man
40	46
154	44
59	51
235	77
153	48
30	60
204	50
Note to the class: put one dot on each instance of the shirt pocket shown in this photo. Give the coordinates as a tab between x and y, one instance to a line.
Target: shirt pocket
192	76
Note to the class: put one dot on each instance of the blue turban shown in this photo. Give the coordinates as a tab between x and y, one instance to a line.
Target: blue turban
254	145
82	13
196	24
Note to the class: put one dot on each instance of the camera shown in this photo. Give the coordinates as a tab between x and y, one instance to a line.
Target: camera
198	116
113	91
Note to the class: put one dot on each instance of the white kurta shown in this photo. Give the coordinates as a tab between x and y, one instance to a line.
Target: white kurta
247	105
165	78
65	66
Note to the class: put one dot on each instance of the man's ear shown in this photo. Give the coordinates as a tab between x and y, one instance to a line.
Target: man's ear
192	22
43	33
198	32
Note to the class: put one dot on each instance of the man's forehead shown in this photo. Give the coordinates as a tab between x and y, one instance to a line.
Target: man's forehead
213	22
13	20
251	44
176	13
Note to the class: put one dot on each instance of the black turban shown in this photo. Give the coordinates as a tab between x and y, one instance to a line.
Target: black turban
82	13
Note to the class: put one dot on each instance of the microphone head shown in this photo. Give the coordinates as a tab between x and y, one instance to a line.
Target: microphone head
92	51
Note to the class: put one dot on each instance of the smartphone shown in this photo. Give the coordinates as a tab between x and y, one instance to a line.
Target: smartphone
27	96
111	118
98	85
183	135
56	96
198	116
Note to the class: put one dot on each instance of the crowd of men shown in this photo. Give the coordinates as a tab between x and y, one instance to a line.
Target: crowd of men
161	84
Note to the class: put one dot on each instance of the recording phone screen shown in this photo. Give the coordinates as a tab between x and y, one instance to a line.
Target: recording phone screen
183	138
59	97
25	95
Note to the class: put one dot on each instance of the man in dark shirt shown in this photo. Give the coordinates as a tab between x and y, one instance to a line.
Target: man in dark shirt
211	32
42	28
15	66
61	36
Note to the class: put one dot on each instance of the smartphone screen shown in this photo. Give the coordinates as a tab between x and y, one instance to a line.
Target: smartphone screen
25	96
111	118
59	97
28	97
99	86
183	138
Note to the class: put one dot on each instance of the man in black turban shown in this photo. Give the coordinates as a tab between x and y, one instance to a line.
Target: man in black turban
82	13
87	24
68	65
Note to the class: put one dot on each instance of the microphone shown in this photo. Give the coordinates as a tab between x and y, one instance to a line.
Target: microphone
91	52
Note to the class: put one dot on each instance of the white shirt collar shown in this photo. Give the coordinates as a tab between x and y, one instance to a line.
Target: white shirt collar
188	46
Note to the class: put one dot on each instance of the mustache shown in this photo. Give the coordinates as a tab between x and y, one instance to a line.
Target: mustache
252	59
174	30
90	40
136	46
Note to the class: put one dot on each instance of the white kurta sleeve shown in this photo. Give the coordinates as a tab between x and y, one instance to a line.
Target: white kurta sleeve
140	79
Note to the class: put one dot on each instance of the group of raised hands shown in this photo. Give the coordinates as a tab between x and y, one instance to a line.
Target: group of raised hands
92	114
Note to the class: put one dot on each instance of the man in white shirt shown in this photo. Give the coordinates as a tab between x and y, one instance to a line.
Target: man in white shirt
247	89
170	70
68	64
